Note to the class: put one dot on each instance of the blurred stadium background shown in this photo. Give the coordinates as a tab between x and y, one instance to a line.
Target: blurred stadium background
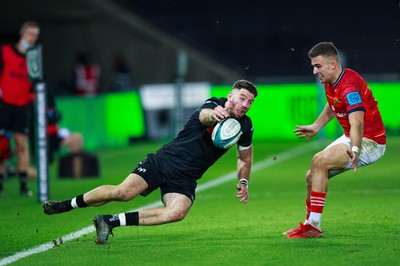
201	48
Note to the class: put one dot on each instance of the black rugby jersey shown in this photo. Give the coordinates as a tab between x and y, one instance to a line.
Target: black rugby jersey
192	152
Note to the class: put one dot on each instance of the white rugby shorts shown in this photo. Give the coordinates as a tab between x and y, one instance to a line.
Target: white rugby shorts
370	152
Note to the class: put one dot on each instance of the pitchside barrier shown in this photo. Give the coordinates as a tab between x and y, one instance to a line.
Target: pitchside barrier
112	120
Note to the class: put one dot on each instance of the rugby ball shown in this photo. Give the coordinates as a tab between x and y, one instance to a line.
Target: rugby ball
226	133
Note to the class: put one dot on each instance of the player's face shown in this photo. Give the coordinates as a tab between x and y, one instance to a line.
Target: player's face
239	102
323	68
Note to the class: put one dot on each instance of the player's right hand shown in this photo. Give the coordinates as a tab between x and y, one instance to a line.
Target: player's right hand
220	113
305	132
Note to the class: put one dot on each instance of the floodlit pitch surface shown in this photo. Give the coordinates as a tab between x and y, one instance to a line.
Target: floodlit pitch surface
361	219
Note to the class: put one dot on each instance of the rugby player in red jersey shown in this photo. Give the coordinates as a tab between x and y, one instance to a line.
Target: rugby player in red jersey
15	99
351	101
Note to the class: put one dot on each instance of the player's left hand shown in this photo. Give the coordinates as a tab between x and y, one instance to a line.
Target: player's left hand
242	193
354	159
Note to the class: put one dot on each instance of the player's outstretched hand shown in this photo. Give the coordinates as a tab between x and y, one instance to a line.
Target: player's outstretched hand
243	193
305	131
221	113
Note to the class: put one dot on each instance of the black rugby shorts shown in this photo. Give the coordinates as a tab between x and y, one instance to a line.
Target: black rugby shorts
15	118
168	184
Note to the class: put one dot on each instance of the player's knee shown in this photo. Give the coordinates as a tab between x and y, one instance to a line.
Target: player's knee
318	162
177	215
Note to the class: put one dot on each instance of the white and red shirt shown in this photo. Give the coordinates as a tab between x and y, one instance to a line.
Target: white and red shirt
350	93
87	79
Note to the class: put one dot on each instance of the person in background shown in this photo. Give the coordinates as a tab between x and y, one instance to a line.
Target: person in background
122	76
352	103
5	153
16	99
86	76
57	138
60	137
175	168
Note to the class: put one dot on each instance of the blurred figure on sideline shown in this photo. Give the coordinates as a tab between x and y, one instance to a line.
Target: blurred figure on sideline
5	152
16	99
60	137
57	137
86	76
122	76
352	103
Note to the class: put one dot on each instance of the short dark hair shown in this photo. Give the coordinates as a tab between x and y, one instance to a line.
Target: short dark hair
28	24
247	85
326	49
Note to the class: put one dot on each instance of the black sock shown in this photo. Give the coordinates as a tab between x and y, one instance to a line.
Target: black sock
66	205
132	218
80	202
23	179
1	182
114	221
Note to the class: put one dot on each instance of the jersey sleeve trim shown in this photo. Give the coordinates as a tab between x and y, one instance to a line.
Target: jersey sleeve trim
242	148
356	109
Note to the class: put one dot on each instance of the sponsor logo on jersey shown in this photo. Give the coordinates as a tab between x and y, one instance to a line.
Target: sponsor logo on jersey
353	98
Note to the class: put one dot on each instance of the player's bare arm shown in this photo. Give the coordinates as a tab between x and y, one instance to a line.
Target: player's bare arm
209	116
311	130
245	158
206	117
356	120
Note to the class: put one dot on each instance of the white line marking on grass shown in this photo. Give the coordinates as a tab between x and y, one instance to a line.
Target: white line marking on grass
57	242
213	183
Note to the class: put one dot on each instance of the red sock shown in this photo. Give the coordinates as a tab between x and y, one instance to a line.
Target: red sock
317	201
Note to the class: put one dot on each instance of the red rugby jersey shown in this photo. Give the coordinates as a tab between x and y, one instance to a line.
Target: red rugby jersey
351	93
15	86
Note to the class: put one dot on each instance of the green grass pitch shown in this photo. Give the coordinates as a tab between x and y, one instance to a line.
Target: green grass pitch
361	218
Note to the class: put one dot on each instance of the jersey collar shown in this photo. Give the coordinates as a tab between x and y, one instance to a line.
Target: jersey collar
339	78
